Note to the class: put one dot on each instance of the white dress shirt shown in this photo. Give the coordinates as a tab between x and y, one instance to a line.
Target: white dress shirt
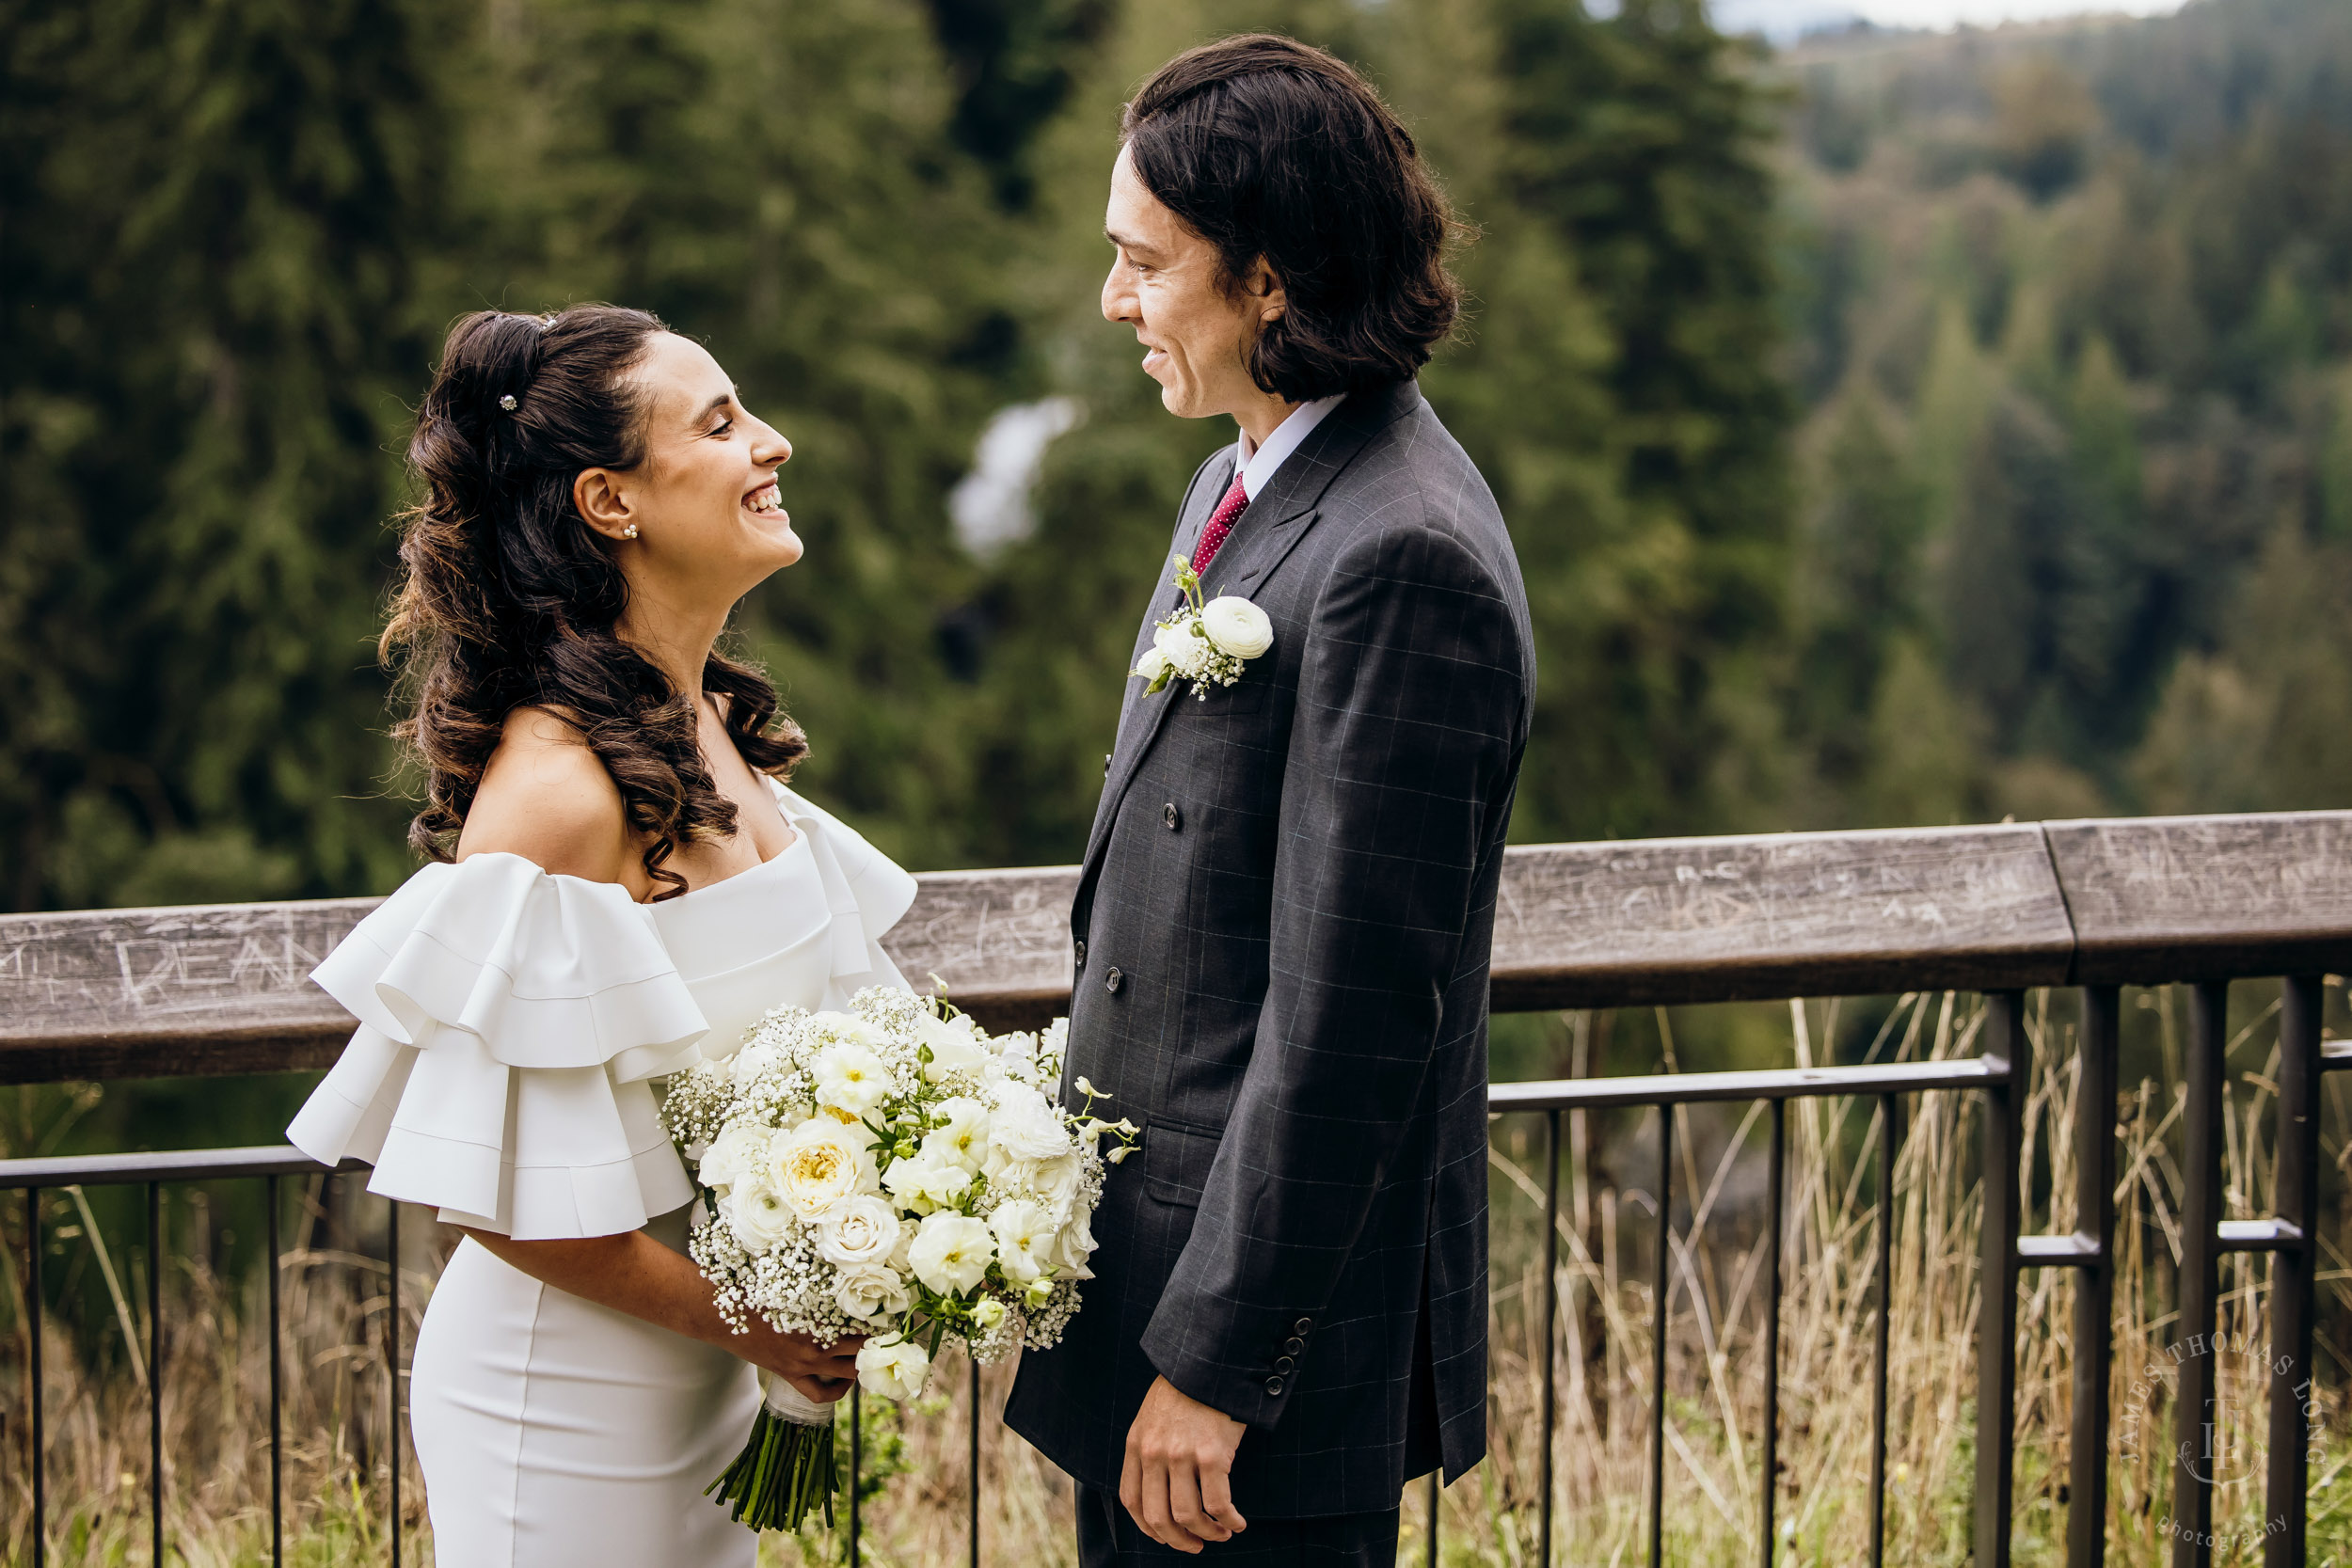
1258	464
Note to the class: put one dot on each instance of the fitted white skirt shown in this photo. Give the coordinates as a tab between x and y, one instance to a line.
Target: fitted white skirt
557	1434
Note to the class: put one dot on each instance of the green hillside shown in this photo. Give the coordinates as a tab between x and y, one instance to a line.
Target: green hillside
1902	430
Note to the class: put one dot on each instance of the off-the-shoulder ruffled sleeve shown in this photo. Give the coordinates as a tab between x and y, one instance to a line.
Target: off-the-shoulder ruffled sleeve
509	1021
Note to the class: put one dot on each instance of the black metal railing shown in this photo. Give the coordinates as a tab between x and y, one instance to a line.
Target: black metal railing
2002	1074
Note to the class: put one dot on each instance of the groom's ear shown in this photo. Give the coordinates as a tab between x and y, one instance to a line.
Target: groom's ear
602	504
1264	290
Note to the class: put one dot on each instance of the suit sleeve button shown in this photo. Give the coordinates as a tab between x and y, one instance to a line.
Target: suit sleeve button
1294	1345
1282	1364
1112	980
1273	1385
1082	952
1303	1324
1169	814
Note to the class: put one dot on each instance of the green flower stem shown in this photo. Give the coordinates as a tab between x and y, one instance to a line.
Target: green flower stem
785	1471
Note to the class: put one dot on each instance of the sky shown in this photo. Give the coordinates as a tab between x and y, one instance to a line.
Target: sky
1784	19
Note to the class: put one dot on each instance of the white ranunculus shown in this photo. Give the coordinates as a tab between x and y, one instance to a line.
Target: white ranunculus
964	1138
893	1367
1237	626
1183	649
760	1216
953	1047
1025	1235
871	1293
858	1231
850	1078
952	1252
1025	1125
820	1162
740	1148
927	1181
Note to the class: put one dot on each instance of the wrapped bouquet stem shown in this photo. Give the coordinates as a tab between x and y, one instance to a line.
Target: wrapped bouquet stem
786	1468
890	1171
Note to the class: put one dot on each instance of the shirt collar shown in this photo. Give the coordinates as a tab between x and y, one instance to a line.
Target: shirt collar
1258	464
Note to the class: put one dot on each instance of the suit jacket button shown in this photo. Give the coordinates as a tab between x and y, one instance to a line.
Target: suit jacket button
1169	814
1273	1385
1303	1324
1294	1345
1283	1364
1112	979
1082	952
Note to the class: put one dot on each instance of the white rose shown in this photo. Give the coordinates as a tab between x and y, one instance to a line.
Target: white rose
892	1368
989	1313
927	1182
1025	1125
1056	1182
964	1138
850	1078
1074	1247
753	1060
741	1148
1237	626
1182	648
820	1162
1153	666
1025	1235
758	1214
952	1252
953	1047
859	1231
871	1293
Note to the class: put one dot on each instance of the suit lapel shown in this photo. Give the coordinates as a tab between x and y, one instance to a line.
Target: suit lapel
1268	531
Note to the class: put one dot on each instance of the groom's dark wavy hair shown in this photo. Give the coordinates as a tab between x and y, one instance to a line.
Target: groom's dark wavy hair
508	600
1267	147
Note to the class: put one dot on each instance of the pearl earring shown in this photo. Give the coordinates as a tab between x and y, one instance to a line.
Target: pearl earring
630	533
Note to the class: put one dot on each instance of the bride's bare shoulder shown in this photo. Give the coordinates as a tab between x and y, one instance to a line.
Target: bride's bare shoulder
545	795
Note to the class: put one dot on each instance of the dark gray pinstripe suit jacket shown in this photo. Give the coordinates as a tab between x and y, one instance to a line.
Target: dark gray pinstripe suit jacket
1284	923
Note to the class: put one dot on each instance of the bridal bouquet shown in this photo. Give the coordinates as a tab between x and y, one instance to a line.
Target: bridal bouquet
893	1171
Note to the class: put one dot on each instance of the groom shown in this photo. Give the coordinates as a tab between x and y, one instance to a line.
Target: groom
1283	924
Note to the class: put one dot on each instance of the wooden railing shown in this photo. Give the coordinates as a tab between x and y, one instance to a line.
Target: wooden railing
1999	910
214	989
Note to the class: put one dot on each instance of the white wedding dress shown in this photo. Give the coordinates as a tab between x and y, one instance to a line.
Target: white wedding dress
512	1027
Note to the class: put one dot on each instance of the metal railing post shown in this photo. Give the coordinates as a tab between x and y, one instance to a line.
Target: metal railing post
276	1393
1997	1318
1776	1203
1890	1112
857	1453
1551	1330
2095	1050
35	1304
392	1355
2294	1274
156	1371
2194	1415
975	1478
1657	1338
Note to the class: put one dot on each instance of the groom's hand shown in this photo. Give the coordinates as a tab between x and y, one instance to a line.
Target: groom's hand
1179	1453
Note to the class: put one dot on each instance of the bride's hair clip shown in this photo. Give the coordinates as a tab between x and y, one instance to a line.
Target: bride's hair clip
508	402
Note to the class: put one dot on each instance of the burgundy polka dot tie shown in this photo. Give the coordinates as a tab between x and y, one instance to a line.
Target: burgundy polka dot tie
1220	524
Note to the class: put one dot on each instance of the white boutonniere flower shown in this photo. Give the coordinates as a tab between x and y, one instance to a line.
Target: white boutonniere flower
1207	644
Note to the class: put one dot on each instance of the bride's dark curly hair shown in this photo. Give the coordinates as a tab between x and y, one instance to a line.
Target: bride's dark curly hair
508	600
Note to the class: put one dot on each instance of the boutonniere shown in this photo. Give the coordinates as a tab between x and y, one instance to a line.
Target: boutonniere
1206	645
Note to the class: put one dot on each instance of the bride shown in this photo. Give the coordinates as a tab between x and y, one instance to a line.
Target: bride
620	885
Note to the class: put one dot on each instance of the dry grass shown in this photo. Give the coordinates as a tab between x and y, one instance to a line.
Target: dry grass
215	1371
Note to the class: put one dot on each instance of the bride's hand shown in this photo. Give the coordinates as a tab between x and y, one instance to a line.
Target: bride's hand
823	1374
